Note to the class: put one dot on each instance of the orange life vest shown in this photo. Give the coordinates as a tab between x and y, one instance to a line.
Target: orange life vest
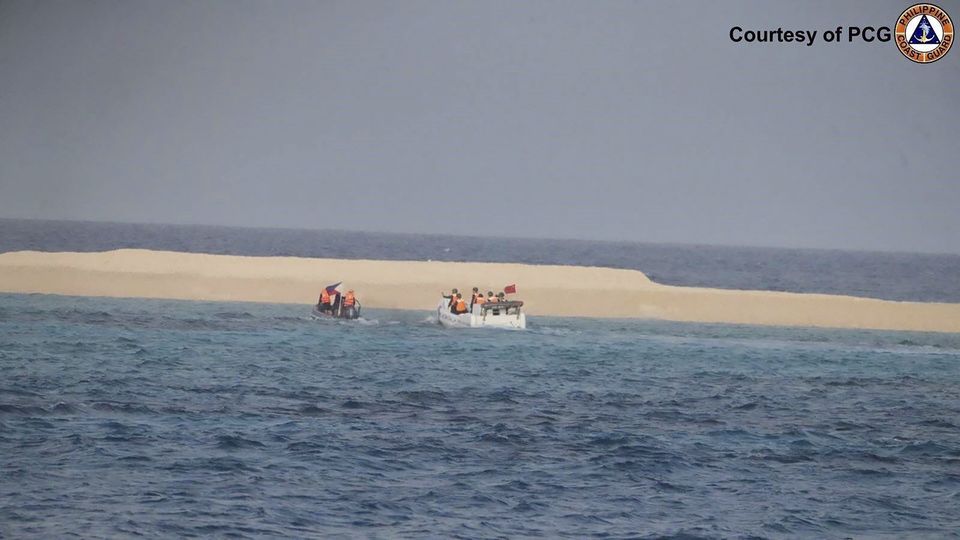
480	299
349	299
324	297
461	306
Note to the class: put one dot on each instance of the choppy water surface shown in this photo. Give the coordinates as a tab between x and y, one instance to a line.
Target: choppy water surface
124	417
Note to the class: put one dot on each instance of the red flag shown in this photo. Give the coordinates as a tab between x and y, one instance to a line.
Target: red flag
510	289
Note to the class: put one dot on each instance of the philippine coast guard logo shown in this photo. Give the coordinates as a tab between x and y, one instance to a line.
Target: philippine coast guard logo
924	33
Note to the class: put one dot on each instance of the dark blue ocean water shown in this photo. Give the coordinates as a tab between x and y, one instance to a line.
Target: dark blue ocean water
176	419
893	276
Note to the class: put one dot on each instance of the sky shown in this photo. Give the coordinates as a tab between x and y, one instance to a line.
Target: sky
609	120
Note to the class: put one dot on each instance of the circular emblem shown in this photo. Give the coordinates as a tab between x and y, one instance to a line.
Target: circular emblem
924	33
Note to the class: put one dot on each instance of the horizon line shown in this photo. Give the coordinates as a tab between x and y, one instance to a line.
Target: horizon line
492	237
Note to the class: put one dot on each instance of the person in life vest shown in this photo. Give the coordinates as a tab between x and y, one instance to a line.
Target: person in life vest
460	306
473	297
496	300
452	298
490	298
325	303
477	301
501	297
349	307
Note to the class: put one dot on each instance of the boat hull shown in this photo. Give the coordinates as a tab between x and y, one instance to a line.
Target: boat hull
479	319
345	313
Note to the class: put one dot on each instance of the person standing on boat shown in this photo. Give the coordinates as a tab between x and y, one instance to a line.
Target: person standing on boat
477	301
349	303
490	298
473	297
324	303
452	298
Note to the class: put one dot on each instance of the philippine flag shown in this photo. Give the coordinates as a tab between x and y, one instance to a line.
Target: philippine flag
510	289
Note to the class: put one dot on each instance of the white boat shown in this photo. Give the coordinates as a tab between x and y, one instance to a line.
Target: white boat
494	315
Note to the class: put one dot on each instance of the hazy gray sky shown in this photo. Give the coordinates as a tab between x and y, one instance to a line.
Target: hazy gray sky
588	119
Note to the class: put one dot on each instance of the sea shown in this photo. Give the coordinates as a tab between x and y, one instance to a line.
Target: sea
124	418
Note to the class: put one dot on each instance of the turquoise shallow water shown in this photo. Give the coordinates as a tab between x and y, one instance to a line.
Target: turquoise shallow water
164	418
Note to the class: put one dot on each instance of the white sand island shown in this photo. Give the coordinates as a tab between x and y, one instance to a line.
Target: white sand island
573	291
